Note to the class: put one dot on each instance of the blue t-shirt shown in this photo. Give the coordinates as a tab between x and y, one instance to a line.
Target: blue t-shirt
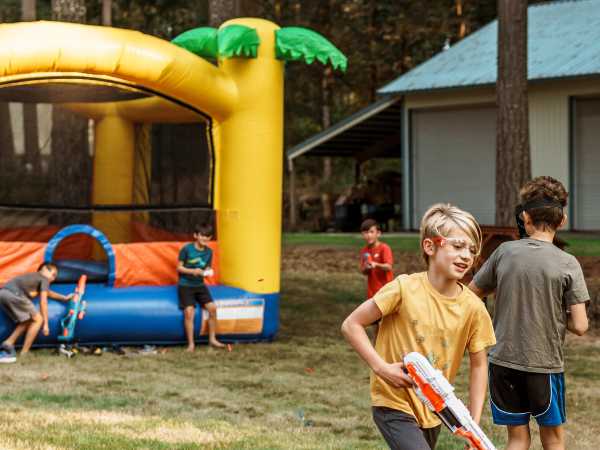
194	259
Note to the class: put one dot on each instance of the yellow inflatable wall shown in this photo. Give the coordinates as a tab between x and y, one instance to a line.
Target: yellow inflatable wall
243	96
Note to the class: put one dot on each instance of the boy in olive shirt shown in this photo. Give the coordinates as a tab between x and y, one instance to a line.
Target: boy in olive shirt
193	265
15	299
541	292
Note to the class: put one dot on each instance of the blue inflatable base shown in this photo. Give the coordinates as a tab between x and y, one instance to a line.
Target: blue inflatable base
147	315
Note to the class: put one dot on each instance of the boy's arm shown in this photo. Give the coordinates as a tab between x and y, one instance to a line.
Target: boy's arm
354	332
56	296
480	292
388	260
182	269
44	311
382	266
479	380
577	321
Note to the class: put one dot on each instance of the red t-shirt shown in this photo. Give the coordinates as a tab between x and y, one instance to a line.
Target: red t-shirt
377	278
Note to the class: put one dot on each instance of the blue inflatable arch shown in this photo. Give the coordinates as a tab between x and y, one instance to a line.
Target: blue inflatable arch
84	229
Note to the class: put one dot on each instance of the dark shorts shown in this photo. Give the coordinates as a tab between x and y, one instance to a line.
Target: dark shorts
402	432
189	295
516	396
19	307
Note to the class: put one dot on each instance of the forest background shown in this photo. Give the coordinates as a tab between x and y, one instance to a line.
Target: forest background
382	39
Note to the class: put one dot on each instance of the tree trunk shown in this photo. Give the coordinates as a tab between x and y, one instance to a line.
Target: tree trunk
71	167
32	151
72	11
107	13
513	160
27	10
7	149
220	11
326	84
373	49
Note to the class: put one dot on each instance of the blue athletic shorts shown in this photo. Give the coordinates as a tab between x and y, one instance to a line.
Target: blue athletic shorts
516	396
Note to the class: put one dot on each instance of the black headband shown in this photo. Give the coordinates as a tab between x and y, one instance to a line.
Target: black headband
520	208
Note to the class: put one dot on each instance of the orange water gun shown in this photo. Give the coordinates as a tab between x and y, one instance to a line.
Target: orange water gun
438	394
76	311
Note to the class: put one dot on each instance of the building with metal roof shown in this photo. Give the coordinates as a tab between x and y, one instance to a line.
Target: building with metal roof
447	117
563	43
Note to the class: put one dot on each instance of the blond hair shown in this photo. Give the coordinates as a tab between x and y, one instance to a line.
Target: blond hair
441	219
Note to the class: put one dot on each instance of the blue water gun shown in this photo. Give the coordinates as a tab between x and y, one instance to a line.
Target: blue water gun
76	311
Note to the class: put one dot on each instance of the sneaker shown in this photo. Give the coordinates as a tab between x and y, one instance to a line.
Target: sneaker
63	350
8	348
7	357
148	350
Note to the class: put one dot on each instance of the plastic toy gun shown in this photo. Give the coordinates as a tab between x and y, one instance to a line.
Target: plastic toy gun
76	311
368	259
437	393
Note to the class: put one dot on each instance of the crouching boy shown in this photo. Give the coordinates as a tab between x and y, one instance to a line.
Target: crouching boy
541	292
430	313
15	299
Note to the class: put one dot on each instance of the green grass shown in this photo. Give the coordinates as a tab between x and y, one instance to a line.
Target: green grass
578	246
583	246
356	242
244	399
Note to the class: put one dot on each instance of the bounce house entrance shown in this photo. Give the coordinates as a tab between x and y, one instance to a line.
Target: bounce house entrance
134	164
81	238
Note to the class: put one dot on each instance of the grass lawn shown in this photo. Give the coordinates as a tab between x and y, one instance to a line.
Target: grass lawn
577	245
355	241
244	399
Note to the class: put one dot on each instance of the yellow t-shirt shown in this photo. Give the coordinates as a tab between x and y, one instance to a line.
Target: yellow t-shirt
417	318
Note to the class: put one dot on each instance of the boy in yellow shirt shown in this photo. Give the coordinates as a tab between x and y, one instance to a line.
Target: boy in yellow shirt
430	313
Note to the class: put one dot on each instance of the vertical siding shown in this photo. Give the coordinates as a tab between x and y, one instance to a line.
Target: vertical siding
548	119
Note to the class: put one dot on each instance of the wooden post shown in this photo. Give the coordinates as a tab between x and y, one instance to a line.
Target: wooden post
293	206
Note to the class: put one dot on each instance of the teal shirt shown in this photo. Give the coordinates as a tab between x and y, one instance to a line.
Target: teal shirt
194	259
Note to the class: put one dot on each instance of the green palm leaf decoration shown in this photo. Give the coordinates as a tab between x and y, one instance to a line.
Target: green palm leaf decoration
201	41
293	43
238	41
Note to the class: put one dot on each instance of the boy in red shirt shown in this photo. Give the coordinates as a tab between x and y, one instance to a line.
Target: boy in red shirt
380	270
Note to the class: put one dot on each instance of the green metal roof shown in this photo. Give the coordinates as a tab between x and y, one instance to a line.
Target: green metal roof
563	42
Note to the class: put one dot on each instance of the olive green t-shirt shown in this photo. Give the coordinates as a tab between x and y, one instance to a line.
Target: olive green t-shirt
536	282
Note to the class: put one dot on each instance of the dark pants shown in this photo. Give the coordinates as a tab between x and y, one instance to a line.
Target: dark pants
402	432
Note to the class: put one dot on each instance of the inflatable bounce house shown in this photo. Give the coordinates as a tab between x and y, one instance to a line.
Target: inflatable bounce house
115	144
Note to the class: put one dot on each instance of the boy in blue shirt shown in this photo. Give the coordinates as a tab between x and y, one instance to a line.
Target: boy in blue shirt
193	265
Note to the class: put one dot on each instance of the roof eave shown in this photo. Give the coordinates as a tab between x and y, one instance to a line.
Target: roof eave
487	85
342	126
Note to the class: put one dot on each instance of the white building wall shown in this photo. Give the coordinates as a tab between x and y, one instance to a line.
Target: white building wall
548	119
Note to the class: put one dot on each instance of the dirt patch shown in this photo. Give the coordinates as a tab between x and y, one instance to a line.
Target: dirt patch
340	260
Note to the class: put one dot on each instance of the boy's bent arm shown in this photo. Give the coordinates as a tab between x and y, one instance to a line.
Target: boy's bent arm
577	321
381	266
354	332
182	269
480	292
479	380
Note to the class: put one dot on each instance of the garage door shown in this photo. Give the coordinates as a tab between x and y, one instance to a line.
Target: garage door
586	195
454	160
